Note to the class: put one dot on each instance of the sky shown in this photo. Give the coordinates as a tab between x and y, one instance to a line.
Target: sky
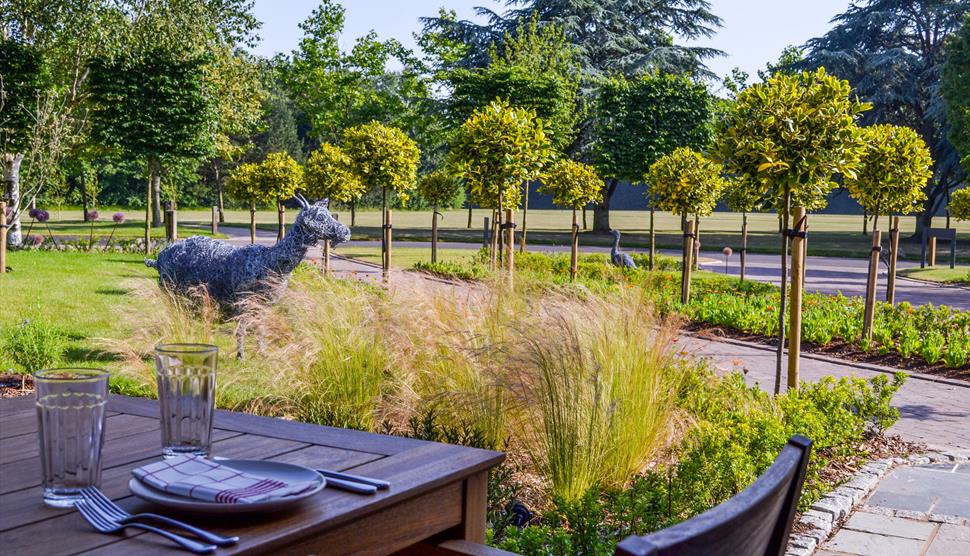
754	31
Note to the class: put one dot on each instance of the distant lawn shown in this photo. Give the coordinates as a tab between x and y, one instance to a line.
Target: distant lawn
84	294
405	257
941	274
102	229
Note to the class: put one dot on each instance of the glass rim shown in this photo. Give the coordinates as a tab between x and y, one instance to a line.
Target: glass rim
88	374
187	349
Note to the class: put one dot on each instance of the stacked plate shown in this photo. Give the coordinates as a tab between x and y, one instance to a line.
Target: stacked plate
284	472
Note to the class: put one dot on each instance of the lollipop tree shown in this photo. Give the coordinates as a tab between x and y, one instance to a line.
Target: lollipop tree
742	197
272	180
329	174
686	182
573	185
437	188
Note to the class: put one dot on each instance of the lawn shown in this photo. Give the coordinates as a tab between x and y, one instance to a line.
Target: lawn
830	234
85	295
406	257
941	274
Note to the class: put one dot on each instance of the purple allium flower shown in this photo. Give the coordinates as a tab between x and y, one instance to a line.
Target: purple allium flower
33	213
36	240
119	218
43	216
93	215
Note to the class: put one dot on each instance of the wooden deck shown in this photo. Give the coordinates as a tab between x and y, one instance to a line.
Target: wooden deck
438	491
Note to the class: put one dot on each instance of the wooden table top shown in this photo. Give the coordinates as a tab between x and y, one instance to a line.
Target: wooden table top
428	495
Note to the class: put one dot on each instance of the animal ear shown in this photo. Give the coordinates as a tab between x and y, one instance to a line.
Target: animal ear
301	200
325	203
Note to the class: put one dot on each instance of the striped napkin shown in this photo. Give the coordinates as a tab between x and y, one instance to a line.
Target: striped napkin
203	479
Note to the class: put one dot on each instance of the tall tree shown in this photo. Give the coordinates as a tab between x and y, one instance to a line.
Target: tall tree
892	52
956	90
638	121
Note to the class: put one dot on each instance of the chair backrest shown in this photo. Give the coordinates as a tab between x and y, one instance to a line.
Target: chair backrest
757	521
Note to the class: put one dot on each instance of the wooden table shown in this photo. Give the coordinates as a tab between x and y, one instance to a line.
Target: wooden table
437	490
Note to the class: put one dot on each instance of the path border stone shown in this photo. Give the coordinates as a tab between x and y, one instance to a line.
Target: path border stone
826	516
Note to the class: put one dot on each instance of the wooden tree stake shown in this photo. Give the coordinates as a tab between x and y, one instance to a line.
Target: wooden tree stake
653	243
893	253
574	249
3	237
215	220
434	235
686	264
871	285
326	257
696	249
744	240
510	243
783	291
252	223
281	221
795	309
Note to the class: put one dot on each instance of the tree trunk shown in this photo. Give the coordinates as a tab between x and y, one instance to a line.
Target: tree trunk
574	249
353	213
434	234
148	206
252	222
653	236
469	214
11	190
220	202
601	211
744	240
780	355
84	197
865	222
157	196
584	219
525	212
697	243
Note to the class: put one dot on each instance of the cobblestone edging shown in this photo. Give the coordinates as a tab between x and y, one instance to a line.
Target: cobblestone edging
825	516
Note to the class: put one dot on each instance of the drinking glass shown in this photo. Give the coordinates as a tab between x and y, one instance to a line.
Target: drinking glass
186	376
70	426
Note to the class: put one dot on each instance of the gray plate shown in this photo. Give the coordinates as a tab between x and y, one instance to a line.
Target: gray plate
269	469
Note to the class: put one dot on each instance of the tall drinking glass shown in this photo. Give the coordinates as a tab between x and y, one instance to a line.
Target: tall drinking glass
186	376
70	425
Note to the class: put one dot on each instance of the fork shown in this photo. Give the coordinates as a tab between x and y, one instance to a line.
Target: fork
103	524
117	514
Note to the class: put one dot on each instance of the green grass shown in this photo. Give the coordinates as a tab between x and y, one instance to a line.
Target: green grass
943	275
85	295
406	257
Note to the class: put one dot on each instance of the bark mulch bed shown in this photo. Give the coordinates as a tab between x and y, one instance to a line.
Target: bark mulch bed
14	386
841	350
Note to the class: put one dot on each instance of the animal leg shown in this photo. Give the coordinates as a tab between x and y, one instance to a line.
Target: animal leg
240	340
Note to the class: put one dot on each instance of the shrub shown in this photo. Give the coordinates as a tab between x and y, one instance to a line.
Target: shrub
34	344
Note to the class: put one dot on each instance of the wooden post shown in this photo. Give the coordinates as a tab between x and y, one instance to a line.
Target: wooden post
3	237
280	220
871	285
252	222
932	244
169	219
390	241
574	249
686	266
434	235
174	219
795	309
893	254
326	257
215	220
525	212
744	240
696	251
584	219
653	243
510	242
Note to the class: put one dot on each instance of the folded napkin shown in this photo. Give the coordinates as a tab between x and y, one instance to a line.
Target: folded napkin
203	479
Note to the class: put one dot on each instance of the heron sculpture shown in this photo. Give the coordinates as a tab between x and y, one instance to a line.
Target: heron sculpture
619	258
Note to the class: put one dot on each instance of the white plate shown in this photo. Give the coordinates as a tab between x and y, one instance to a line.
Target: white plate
270	469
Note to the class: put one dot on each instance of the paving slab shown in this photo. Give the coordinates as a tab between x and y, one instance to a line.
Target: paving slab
951	540
932	488
871	544
887	525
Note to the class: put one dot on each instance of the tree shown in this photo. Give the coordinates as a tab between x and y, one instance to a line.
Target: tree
956	83
387	158
329	174
686	182
150	106
572	185
789	137
640	120
495	151
960	204
892	53
276	178
743	197
437	188
22	76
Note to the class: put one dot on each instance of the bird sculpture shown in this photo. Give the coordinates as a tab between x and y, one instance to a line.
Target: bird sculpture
619	258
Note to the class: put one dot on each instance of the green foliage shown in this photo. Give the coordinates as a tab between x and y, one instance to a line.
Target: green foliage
276	178
33	345
151	105
383	156
893	170
22	77
960	204
453	270
438	188
329	174
956	83
792	134
686	182
642	119
496	150
741	196
572	184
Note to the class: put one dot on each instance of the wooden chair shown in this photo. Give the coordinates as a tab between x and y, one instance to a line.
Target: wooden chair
757	521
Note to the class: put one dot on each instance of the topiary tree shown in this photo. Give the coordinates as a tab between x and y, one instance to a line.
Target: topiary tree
788	137
892	174
740	196
572	185
329	174
686	182
437	188
495	151
960	204
384	157
272	180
